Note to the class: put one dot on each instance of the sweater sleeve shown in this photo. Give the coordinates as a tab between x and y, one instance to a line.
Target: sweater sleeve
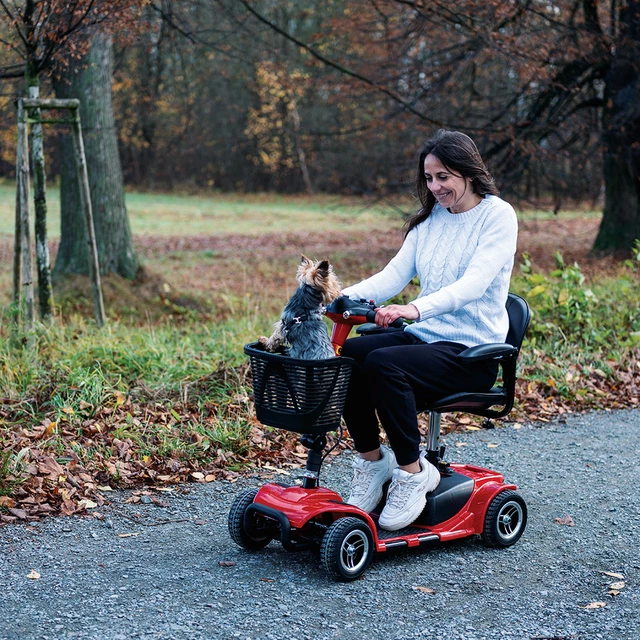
495	249
393	278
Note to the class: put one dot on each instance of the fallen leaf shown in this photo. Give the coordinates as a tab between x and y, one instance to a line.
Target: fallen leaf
617	586
595	605
87	504
6	501
425	589
18	513
611	574
567	520
197	475
517	425
209	478
613	592
491	445
51	427
473	428
129	535
226	563
266	579
461	444
33	575
105	487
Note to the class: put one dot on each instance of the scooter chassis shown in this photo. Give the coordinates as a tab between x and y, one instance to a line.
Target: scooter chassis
302	515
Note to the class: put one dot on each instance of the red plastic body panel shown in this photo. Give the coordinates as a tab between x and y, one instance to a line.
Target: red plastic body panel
304	505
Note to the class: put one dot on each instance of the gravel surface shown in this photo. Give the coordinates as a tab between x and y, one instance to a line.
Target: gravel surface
166	581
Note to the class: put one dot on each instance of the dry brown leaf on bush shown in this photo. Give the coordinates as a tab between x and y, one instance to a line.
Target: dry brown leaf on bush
567	520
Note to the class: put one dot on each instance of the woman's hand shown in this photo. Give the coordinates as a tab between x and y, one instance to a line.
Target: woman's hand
386	315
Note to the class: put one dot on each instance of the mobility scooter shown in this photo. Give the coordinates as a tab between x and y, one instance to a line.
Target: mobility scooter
307	397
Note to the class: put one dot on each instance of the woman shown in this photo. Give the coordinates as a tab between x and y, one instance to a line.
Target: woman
461	244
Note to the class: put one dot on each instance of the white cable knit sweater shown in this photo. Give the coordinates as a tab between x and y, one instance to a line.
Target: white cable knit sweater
464	262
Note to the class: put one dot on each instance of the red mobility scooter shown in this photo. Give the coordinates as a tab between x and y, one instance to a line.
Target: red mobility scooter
307	397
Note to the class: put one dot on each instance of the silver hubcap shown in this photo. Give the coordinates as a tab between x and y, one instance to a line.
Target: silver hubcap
354	551
510	520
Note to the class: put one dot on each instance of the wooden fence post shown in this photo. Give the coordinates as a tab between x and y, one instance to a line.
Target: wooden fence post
24	198
85	199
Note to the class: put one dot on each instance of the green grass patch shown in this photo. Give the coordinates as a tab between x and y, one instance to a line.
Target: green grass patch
216	214
176	214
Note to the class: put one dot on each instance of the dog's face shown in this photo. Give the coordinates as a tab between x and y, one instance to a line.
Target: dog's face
320	276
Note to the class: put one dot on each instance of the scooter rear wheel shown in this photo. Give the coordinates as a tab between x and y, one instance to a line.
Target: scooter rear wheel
237	529
505	520
347	549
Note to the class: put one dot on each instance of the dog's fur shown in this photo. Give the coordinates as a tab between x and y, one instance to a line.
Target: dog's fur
301	323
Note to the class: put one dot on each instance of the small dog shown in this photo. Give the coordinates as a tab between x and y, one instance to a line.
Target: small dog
301	322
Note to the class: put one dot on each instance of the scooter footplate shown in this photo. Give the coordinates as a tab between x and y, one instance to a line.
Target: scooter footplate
383	534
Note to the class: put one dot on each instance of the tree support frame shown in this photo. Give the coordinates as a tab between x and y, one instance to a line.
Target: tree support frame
29	113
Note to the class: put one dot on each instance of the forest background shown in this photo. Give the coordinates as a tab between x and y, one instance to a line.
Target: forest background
246	132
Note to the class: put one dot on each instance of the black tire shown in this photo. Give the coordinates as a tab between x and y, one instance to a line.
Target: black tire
347	549
505	520
236	523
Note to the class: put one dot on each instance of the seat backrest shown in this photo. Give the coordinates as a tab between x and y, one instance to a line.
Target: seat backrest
519	316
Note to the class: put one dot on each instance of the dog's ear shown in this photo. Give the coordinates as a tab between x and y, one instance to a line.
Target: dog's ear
324	267
304	259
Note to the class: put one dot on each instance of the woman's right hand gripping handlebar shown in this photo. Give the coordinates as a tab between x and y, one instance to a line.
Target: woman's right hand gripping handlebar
394	314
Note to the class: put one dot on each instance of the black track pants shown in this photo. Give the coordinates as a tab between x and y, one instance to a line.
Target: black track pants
394	375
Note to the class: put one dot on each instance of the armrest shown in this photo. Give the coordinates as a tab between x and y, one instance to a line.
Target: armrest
371	327
488	352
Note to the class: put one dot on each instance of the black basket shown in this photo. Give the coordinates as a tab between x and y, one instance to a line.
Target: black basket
305	396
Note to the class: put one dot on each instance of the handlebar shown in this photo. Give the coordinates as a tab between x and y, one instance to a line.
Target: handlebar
343	310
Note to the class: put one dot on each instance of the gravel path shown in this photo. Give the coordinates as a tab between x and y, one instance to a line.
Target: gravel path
166	581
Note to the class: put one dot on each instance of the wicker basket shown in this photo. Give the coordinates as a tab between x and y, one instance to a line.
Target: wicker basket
305	396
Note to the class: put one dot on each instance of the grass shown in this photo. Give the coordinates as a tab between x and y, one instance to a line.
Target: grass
169	214
215	214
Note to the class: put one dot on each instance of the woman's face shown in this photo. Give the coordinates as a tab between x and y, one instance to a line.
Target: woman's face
450	189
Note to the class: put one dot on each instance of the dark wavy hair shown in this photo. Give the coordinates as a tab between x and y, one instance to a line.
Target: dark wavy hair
459	154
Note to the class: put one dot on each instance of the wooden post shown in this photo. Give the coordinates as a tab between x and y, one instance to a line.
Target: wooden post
24	198
17	239
85	199
43	261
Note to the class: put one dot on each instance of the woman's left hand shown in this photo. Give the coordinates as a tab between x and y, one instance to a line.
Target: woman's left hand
386	315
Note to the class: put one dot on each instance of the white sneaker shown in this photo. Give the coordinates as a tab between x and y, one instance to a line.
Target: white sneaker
407	496
368	478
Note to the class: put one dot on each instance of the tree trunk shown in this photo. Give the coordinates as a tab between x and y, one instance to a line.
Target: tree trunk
89	80
43	261
620	225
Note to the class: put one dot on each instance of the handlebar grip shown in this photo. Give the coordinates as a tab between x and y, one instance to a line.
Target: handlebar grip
396	324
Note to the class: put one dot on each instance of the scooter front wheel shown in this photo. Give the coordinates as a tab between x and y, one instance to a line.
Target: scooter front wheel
250	540
347	549
505	519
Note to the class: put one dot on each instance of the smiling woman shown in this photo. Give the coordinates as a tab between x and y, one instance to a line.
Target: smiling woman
461	244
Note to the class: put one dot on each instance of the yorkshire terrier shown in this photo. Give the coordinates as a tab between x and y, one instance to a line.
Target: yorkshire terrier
301	323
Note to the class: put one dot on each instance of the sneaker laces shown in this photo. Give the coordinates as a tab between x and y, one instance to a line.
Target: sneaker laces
360	482
399	492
